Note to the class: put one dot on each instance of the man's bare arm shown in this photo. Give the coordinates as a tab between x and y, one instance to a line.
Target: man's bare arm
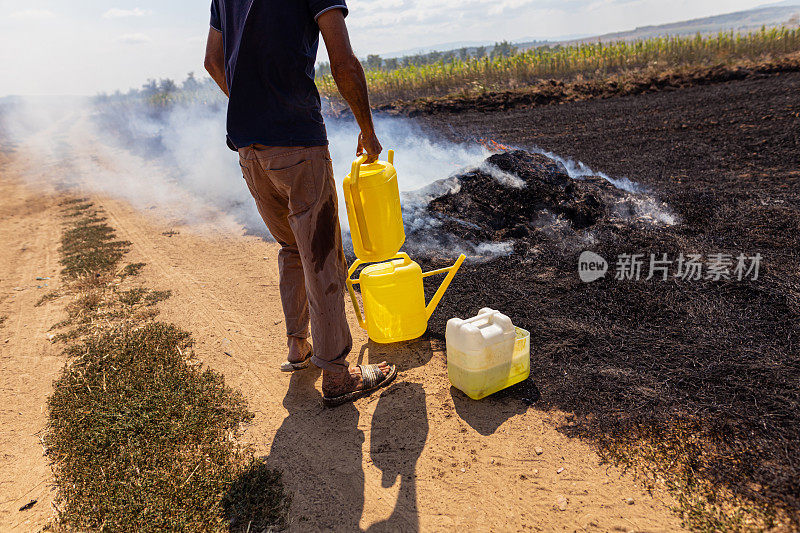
215	59
349	77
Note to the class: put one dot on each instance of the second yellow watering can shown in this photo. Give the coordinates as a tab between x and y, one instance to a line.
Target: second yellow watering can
394	297
372	197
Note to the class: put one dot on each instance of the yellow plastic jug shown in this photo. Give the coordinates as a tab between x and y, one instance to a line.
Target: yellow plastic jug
394	298
486	353
372	197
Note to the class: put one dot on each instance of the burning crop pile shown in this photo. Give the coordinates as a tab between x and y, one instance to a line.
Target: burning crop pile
517	199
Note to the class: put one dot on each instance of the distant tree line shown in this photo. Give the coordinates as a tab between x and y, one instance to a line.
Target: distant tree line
376	62
164	88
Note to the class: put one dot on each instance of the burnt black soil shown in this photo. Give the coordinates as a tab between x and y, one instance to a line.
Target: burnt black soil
701	377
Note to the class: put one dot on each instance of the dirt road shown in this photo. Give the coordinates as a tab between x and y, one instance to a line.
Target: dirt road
29	233
419	456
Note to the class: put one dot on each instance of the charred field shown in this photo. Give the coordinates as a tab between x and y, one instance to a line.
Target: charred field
695	382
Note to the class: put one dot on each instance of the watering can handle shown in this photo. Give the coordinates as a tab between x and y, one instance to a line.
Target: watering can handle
358	262
350	282
358	207
451	272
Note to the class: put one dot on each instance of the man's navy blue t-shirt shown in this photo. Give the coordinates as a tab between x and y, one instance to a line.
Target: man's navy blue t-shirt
270	51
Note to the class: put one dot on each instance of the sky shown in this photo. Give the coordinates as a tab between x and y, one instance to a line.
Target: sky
61	47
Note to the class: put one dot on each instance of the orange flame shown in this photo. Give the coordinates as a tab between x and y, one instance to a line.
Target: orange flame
493	146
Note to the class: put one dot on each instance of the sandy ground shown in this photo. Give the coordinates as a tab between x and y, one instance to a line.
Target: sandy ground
29	235
418	456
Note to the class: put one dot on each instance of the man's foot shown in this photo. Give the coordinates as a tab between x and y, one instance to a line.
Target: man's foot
342	387
300	351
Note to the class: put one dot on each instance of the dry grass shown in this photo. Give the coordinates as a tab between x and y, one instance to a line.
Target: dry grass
555	91
590	61
50	296
88	245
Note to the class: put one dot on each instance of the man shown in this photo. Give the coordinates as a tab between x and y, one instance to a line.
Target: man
262	53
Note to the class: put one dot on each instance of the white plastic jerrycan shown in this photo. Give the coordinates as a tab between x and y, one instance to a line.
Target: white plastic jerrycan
486	353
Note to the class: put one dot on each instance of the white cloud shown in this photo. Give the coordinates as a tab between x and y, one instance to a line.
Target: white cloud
116	13
500	7
32	14
134	38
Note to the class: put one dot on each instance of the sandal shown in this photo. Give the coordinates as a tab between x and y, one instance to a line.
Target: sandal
291	367
372	379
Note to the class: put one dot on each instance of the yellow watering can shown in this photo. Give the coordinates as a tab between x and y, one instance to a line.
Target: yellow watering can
394	298
372	197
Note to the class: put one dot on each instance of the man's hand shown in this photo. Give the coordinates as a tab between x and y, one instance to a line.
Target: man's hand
349	77
369	145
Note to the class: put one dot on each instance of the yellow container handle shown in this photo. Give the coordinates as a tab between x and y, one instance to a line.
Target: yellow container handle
391	157
350	282
358	207
451	272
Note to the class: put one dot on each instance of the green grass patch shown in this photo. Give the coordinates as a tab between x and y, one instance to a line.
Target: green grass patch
141	296
256	502
476	75
674	459
141	441
154	297
88	245
132	297
132	269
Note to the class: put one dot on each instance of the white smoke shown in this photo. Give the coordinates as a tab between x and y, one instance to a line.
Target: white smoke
642	206
194	142
175	159
578	170
503	178
420	159
645	208
179	156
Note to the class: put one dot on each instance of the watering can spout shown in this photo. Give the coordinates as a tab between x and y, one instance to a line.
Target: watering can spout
451	272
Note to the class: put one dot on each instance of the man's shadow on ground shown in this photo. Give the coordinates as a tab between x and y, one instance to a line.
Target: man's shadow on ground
484	416
396	443
319	451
